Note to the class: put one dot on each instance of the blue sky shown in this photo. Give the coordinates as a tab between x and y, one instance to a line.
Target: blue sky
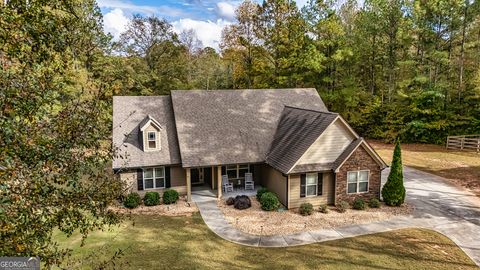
206	17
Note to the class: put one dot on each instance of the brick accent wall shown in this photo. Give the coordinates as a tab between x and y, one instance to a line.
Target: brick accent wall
359	160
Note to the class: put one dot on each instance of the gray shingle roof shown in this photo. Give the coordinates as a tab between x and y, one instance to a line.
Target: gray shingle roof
233	126
128	114
297	130
317	167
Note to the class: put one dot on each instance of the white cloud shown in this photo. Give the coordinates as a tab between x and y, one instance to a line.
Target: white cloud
130	7
115	22
226	10
209	32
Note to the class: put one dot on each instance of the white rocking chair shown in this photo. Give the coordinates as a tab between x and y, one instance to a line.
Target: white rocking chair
227	186
249	184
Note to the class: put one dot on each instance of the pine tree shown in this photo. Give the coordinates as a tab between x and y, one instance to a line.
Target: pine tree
393	191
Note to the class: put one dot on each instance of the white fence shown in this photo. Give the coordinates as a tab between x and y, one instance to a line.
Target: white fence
464	142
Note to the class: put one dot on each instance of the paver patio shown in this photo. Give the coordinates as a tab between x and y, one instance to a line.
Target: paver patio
438	206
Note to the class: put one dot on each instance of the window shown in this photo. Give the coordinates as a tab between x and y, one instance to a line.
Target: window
311	184
152	140
154	178
237	171
357	182
242	169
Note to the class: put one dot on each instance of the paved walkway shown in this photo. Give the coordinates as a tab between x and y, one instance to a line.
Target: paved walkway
438	206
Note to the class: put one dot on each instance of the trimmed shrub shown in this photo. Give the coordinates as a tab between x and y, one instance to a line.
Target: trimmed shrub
393	192
230	201
132	200
269	201
323	208
260	192
359	204
306	209
374	203
242	202
170	196
342	206
151	198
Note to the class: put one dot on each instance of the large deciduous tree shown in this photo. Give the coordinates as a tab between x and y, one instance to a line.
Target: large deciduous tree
55	125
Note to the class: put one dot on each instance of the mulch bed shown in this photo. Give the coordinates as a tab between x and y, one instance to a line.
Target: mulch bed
256	221
180	208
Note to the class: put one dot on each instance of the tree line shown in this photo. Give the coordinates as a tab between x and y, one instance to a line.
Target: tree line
392	68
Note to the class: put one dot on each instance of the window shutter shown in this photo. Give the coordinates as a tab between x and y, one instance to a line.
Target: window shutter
139	179
303	180
320	184
224	170
167	176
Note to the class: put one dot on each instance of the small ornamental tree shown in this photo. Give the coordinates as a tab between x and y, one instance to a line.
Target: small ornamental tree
393	191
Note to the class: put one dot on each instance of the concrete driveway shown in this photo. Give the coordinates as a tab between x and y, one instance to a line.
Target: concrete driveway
439	206
450	210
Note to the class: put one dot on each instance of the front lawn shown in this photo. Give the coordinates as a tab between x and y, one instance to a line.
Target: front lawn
160	242
461	168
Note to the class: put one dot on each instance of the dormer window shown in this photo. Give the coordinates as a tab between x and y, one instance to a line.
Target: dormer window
150	131
152	140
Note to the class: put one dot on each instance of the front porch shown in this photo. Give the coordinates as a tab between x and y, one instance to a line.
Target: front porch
204	193
206	182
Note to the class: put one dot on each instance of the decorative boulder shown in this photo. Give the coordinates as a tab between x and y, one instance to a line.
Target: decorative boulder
230	201
242	202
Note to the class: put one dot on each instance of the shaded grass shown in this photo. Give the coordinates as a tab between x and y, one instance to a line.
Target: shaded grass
159	242
459	167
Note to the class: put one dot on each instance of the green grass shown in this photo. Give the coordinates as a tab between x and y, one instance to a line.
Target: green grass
157	242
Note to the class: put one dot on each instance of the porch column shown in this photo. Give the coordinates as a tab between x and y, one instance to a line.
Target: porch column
189	185
219	181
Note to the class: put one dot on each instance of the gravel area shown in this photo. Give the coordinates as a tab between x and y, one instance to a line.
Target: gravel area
181	208
256	221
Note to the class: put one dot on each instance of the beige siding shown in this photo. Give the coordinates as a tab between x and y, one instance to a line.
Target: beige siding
275	182
327	192
177	181
329	145
145	138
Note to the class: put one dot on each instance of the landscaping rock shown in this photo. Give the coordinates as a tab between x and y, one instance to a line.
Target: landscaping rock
230	201
242	202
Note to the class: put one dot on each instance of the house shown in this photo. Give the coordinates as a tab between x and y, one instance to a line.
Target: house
286	138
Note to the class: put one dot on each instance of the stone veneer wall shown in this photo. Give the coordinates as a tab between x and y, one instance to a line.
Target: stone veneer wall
359	160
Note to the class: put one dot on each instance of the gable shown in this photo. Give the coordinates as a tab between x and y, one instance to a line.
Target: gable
329	145
148	122
360	159
297	130
358	145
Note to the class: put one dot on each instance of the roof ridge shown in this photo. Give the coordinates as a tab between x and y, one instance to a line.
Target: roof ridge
311	110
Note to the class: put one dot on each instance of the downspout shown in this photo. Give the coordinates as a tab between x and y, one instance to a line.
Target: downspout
287	177
287	189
